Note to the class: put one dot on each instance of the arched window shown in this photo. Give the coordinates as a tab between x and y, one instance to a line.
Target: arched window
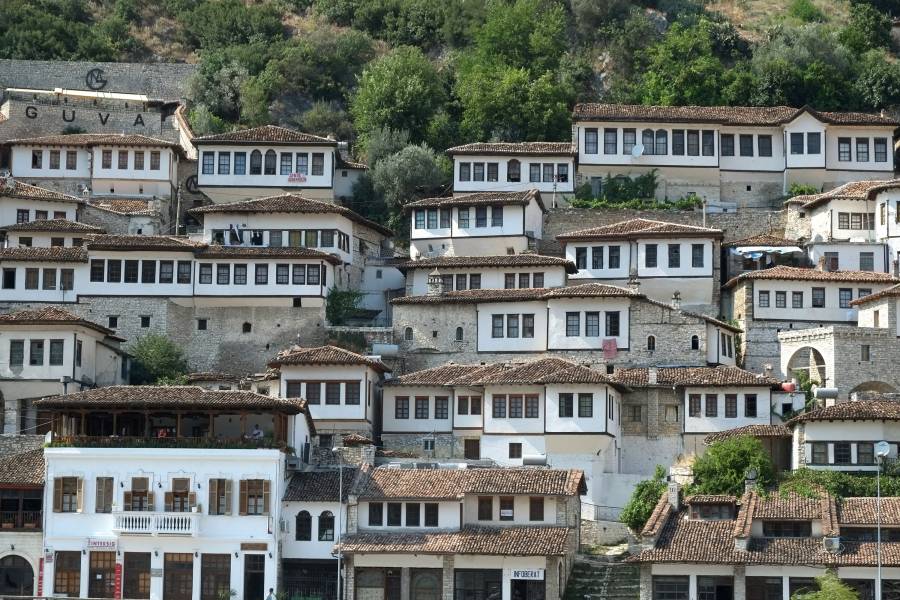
459	334
271	159
408	334
695	342
514	170
18	576
326	527
647	141
425	584
256	162
662	142
247	328
303	527
651	342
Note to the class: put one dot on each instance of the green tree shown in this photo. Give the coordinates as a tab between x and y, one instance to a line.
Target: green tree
384	142
221	23
724	466
326	118
877	84
413	173
217	86
830	588
867	29
156	358
511	34
643	500
340	305
401	90
806	11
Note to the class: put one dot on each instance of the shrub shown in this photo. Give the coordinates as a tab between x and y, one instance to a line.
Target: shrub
724	467
340	305
643	500
806	11
156	359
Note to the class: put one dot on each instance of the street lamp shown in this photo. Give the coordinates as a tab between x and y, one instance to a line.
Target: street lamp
882	450
340	523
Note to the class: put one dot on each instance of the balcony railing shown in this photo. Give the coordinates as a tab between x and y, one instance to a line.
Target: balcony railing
88	441
154	523
27	519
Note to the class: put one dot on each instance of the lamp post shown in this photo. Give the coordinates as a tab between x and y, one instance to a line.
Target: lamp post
882	450
340	523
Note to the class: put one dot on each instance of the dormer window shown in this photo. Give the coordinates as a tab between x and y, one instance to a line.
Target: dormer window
716	511
787	529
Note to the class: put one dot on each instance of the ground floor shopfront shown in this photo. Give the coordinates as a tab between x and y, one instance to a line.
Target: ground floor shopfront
455	577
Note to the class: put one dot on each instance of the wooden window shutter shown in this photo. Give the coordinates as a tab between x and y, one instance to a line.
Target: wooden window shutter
266	493
169	500
212	505
228	494
57	494
242	502
151	505
80	498
98	499
108	496
126	501
192	499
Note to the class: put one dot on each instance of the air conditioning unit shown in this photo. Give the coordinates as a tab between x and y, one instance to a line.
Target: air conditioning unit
293	463
832	544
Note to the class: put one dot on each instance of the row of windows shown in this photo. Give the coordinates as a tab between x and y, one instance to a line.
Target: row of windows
434	218
461	281
696	405
23	215
848	220
508	506
515	406
284	274
37	355
613	255
26	241
843	453
813	143
313	394
300	238
592	324
516	326
45	279
845	296
417	514
169	271
422	407
123	159
845	153
303	526
537	172
745	144
651	256
866	261
690	142
286	165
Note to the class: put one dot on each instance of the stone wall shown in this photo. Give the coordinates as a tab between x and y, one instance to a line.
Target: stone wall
117	223
446	445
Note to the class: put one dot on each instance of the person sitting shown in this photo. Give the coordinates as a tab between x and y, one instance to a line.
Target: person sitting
257	433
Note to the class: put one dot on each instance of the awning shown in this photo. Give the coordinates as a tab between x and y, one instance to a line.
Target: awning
758	251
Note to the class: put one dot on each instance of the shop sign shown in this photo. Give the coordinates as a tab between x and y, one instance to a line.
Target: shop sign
533	574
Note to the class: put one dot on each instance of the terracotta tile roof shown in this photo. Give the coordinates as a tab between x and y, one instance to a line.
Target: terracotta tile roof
725	115
382	482
449	374
789	506
475	296
854	190
692	376
123	206
271	134
862	410
94	139
861	511
710	499
757	431
217	251
521	198
140	242
539	371
357	439
593	290
12	188
514	148
175	396
639	228
764	239
52	225
319	486
786	273
325	355
343	163
499	261
891	292
210	376
659	517
22	468
289	203
51	315
53	254
500	541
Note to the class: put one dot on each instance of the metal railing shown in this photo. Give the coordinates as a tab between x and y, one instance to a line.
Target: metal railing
153	523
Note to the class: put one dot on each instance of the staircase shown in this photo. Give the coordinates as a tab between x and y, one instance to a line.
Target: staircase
603	578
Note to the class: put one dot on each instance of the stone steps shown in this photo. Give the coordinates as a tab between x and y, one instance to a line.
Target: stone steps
603	578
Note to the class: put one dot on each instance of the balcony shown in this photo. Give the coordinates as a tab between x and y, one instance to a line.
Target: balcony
154	523
27	520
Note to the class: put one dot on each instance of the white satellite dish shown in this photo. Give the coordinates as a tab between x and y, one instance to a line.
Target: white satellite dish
637	150
882	449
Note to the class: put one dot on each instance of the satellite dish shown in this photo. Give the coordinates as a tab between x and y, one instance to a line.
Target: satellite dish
637	150
882	449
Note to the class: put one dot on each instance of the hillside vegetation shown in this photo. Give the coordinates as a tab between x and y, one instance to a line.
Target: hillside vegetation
401	79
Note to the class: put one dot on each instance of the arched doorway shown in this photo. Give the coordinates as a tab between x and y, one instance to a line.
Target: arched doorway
809	360
16	576
425	584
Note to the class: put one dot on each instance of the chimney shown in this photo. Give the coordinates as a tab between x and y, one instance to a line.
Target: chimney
674	492
435	284
652	375
750	480
676	300
767	369
633	283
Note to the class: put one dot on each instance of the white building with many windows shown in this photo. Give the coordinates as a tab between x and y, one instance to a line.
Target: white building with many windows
23	203
513	271
748	155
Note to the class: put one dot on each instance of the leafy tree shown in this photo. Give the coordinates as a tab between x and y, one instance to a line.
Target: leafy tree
512	35
326	118
589	16
413	173
830	588
204	122
401	90
156	358
643	500
867	29
340	305
877	84
723	468
384	142
217	86
365	201
220	23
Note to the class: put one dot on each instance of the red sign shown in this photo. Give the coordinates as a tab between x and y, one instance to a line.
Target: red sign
40	590
117	590
297	178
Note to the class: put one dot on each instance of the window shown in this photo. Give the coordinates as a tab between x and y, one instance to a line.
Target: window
465	171
72	160
597	257
394	514
845	295
819	453
9	278
54	159
112	321
629	139
431	514
862	149
326	526
67	494
730	406
678	142
496	216
513	170
565	405
670	587
614	255
515	407
261	275
528	326
507	508
202	324
376	514
49	279
131	271
764	145
573	324
498	402
481	216
842	454
581	258
67	574
485	508
532	407
332	393
591	141
145	322
750	405
352	393
727	142
209	161
693	142
492	171
844	149
813	142
866	261
255	496
122	156
650	256
780	299
36	353
497	326
303	525
441	407
712	405
796	299
401	407
694	402
746	144
154	160
709	144
612	323
634	413
31	278
881	150
478	171
864	355
796	143
512	326
865	453
818	297
56	352
697	256
764	299
585	405
515	450
651	343
674	256
16	353
610	140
